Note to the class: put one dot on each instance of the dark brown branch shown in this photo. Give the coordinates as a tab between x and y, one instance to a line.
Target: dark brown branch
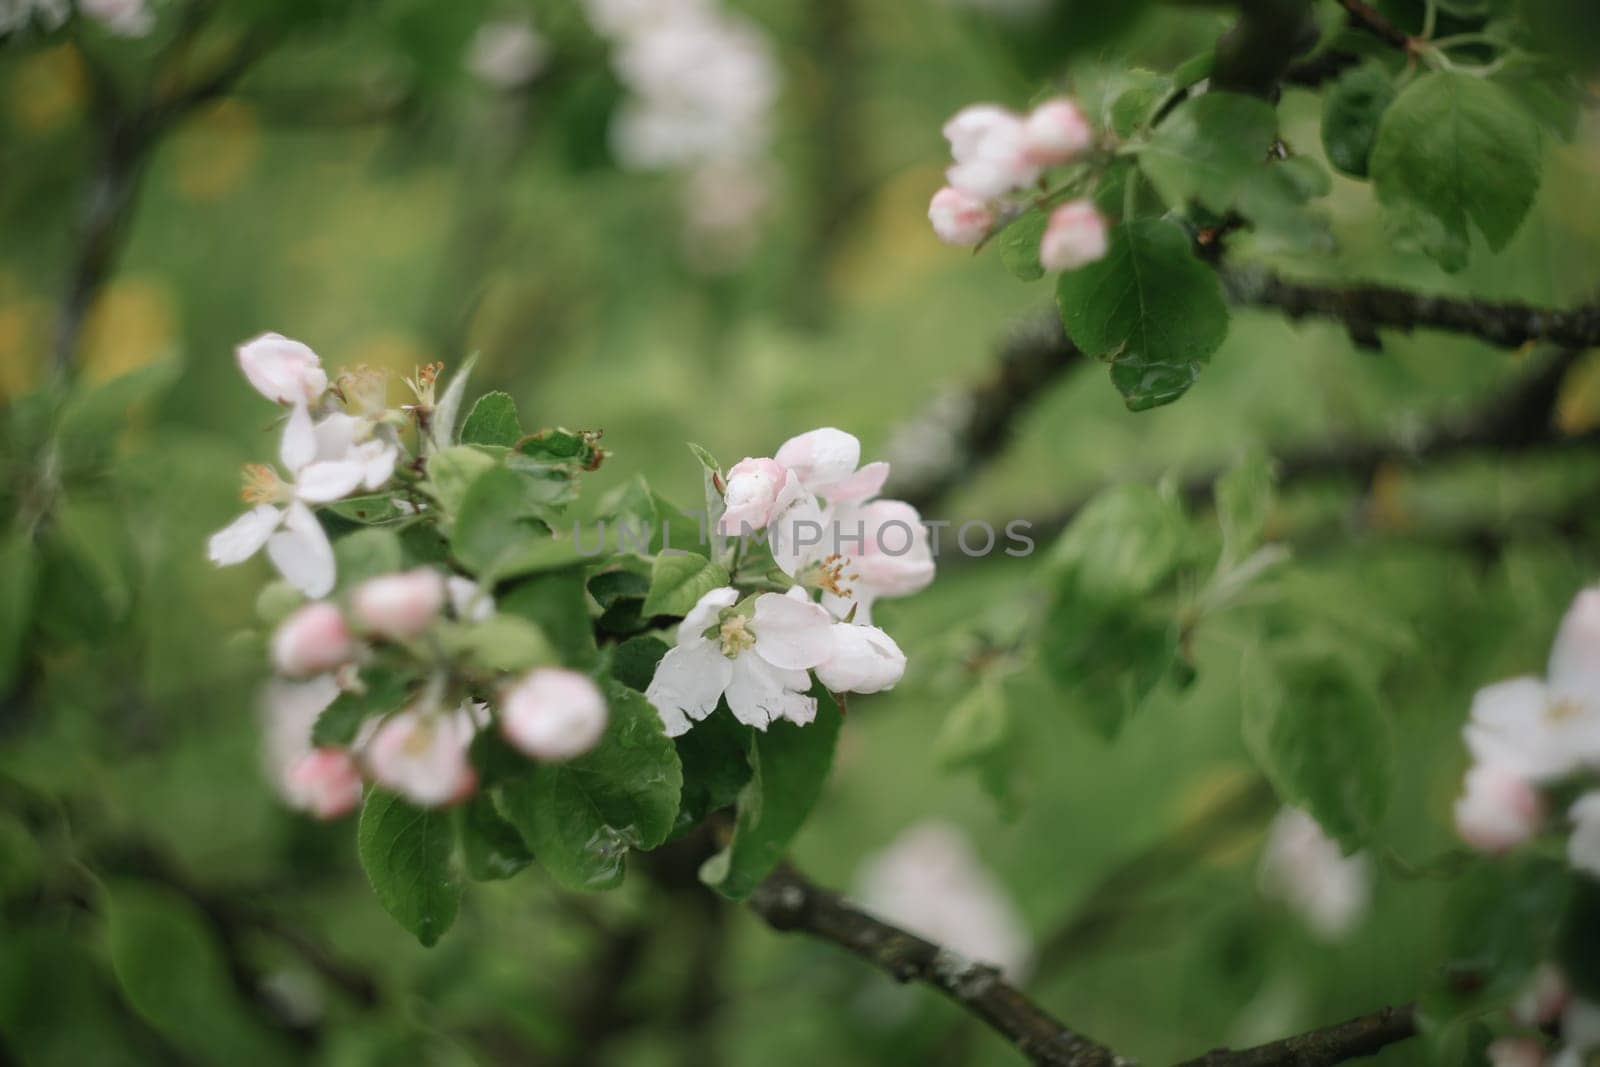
1363	309
788	901
1352	1040
1254	54
1370	19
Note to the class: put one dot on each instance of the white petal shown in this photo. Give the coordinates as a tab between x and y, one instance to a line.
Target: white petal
687	683
821	457
792	633
302	553
1575	654
379	464
244	536
1583	847
797	531
321	482
336	435
760	693
1509	727
703	614
299	445
865	660
864	483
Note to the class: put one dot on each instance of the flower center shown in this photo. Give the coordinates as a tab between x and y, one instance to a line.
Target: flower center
830	576
263	486
736	636
1562	710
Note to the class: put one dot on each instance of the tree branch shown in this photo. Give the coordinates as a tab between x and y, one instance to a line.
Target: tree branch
1351	1040
1368	18
1365	308
788	901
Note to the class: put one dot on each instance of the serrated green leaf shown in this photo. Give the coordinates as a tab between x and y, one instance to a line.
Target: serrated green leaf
1454	149
451	473
1019	244
556	602
175	974
491	848
582	817
500	530
634	662
1209	148
570	450
679	580
1150	308
789	766
492	421
406	853
366	554
1110	656
1125	542
1244	501
716	765
979	735
1319	735
1352	109
643	522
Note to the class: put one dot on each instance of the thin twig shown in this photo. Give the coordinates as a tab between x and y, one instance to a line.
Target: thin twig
1351	1040
1370	19
788	901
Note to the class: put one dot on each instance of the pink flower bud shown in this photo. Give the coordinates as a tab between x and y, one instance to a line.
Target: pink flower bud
990	150
554	714
400	605
1544	998
313	640
422	755
1498	810
969	128
324	782
282	370
959	219
1055	132
752	490
864	660
1515	1052
1074	236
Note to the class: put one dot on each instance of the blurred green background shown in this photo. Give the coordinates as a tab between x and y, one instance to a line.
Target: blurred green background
359	189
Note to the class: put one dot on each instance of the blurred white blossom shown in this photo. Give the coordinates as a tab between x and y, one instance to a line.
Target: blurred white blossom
1305	869
507	53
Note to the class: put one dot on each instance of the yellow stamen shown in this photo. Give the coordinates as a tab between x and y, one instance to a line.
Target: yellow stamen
736	636
262	485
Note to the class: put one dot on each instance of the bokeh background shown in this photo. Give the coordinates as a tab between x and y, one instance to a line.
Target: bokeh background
386	186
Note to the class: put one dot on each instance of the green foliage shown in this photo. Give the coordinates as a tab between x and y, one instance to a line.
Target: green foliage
1244	503
492	421
789	765
1124	543
1352	108
716	766
581	817
1149	308
366	554
1019	244
677	582
501	532
1318	732
407	853
1454	149
383	691
554	601
16	601
491	848
979	735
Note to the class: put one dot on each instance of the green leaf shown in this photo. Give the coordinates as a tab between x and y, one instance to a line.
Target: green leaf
1244	502
1141	91
175	974
452	471
1125	542
1209	148
1352	108
570	450
491	848
1501	923
634	662
492	421
710	474
500	531
644	522
716	765
92	530
1110	655
556	602
93	417
406	853
1150	308
366	554
367	510
1454	149
789	766
1019	244
385	691
19	565
678	581
979	735
1320	736
581	817
503	643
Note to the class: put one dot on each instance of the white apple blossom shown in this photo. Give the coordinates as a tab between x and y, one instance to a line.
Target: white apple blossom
468	601
1074	237
401	605
1056	132
825	463
553	714
15	15
1544	998
930	882
1305	869
125	18
885	554
1583	847
281	520
421	753
959	218
507	53
1515	1052
752	493
864	660
282	370
314	639
758	658
1498	810
321	781
991	151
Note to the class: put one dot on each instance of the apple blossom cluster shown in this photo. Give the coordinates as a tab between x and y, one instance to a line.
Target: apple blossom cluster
702	83
834	550
1533	740
121	18
1000	159
393	629
1306	870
